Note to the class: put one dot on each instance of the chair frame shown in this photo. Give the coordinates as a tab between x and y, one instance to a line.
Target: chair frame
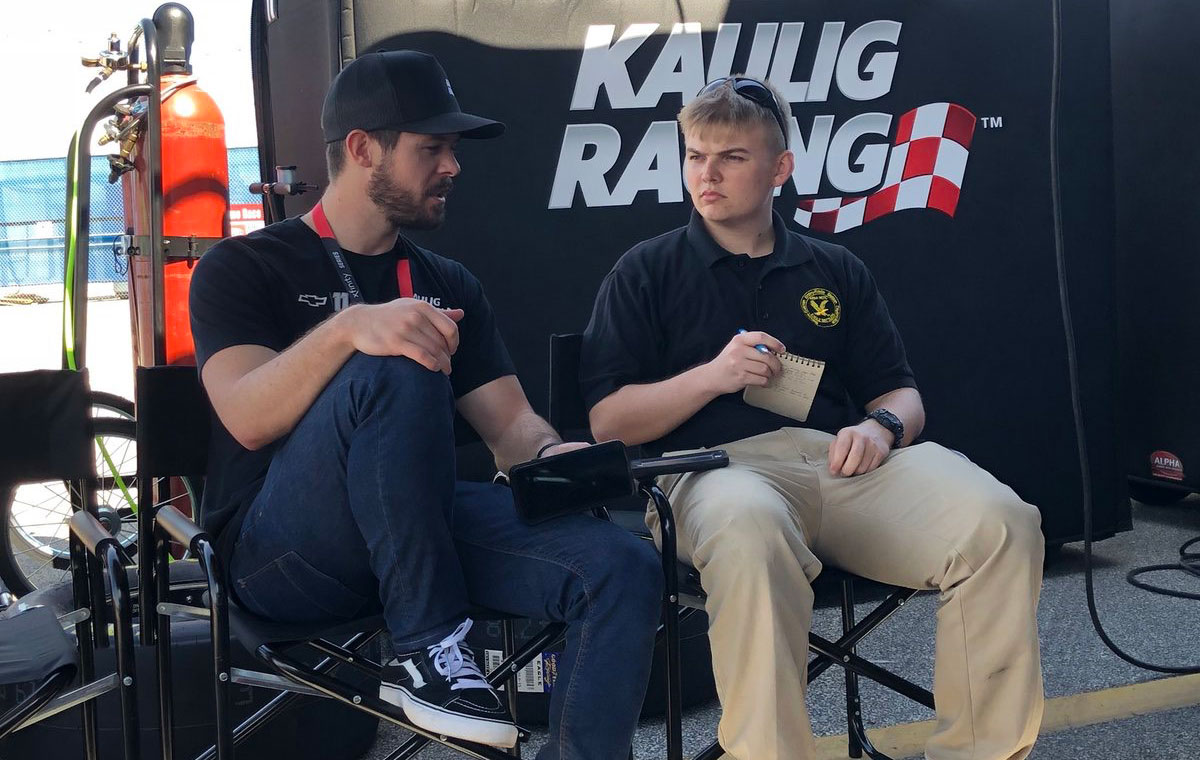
567	412
104	556
18	715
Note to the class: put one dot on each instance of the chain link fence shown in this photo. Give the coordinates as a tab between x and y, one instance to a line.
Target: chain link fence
32	214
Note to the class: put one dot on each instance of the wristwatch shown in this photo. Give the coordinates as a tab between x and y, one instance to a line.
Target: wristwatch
889	421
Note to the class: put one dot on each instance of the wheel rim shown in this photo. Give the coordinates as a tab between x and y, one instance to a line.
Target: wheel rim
39	513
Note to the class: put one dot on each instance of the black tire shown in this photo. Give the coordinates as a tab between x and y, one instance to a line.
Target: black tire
33	529
1156	496
111	405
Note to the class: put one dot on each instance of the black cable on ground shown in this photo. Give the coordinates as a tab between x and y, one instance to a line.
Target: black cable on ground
1189	562
1073	363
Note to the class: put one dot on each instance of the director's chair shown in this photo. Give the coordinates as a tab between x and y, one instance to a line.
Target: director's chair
51	408
173	429
567	412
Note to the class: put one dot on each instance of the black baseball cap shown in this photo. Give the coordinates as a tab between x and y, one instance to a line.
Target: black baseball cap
404	90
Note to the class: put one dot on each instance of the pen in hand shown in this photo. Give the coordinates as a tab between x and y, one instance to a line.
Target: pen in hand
761	348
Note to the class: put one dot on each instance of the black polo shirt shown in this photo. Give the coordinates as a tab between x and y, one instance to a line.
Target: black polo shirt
674	301
274	285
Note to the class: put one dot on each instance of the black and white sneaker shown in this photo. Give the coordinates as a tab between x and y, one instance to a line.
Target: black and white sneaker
442	690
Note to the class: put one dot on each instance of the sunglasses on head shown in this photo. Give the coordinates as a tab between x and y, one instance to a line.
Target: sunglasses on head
754	91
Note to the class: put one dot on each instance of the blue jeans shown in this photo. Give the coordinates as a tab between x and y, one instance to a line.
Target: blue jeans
361	507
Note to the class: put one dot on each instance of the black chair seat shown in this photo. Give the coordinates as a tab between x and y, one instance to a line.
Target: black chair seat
253	631
183	572
33	645
34	649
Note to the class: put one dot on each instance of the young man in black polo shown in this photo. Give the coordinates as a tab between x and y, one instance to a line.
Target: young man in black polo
332	484
687	321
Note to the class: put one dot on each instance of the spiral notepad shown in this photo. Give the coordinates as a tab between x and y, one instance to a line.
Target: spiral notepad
791	392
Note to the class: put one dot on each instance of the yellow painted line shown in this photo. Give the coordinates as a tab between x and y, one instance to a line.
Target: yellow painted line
1062	713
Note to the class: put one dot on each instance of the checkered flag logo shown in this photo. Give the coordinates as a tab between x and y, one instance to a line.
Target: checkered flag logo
925	170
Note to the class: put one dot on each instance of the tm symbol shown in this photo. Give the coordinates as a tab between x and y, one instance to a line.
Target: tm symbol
991	122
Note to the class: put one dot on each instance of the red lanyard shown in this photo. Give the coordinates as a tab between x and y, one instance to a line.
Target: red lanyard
403	274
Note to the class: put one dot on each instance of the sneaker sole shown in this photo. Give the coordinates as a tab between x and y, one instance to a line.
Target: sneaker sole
433	718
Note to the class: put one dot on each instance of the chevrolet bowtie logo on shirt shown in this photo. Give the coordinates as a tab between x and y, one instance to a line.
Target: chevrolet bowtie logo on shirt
311	300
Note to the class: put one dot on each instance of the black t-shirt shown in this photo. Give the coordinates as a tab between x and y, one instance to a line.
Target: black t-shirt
271	287
674	301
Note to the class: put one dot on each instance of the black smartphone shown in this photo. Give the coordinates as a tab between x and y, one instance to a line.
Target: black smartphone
572	482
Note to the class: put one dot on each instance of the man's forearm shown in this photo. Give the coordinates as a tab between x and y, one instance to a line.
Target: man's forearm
636	414
266	402
522	440
906	404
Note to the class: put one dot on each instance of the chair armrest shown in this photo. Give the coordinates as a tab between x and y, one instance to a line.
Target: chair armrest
651	467
90	532
177	526
111	562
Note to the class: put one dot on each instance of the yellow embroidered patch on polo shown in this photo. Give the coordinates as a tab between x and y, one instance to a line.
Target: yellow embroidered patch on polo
822	307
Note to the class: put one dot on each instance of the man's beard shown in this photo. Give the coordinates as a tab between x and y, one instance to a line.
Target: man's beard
402	207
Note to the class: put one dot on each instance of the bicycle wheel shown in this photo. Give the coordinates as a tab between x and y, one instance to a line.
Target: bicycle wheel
34	545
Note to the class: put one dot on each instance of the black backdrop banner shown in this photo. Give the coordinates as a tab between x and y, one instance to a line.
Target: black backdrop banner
1155	112
922	133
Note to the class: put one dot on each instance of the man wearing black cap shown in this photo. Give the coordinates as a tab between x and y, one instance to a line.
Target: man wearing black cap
335	353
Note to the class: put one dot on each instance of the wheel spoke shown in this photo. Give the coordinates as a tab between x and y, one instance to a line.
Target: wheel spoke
48	561
40	504
23	525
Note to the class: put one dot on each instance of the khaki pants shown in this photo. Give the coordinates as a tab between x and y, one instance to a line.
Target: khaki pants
927	518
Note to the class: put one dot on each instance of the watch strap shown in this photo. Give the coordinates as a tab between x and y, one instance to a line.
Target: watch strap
890	421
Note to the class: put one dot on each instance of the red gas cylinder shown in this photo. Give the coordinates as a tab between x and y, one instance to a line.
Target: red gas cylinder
195	191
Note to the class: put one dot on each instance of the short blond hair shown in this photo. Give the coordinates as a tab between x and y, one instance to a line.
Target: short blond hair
722	106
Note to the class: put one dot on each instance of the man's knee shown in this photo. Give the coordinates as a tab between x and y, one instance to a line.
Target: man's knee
745	525
395	376
755	539
391	368
1008	525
